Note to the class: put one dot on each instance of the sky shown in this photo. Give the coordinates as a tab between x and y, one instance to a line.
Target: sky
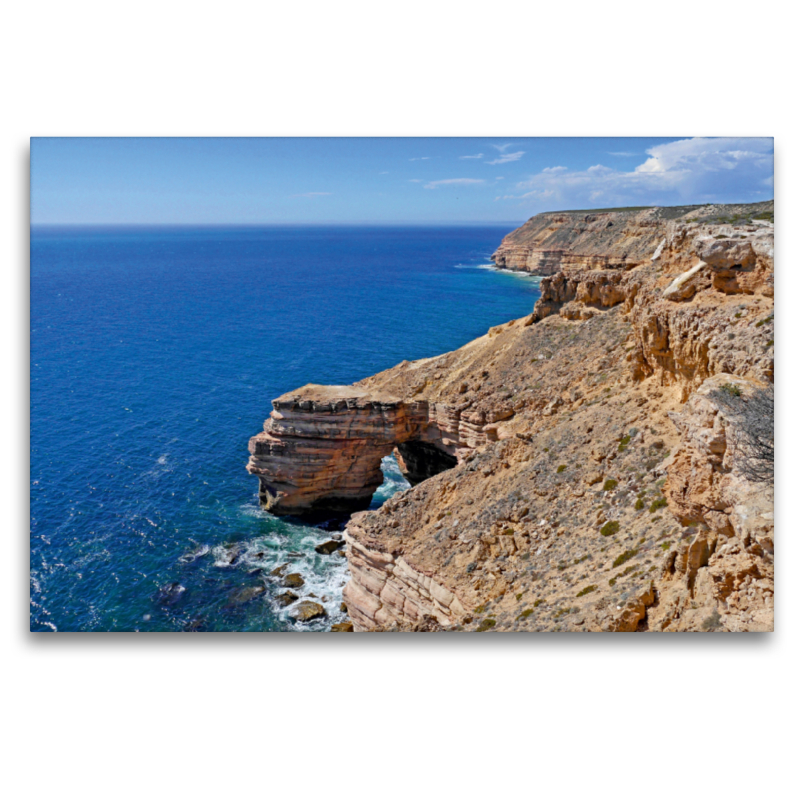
174	181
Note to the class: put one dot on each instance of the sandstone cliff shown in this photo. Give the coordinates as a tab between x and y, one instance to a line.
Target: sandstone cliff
573	470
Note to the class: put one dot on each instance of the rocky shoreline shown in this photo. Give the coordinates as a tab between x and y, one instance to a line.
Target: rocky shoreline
572	470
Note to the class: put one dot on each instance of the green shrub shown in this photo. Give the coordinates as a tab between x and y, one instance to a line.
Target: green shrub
538	602
586	590
519	596
486	624
656	504
609	485
610	528
525	614
561	468
711	623
612	581
639	504
765	320
732	389
666	545
626	556
623	443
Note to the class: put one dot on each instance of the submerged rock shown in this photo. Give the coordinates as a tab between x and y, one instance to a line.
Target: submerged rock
342	627
306	611
245	595
193	555
169	595
278	571
230	552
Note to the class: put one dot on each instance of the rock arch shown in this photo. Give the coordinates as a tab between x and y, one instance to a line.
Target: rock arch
321	448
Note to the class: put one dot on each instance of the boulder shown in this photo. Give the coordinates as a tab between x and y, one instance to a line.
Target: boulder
286	599
342	627
326	548
293	581
306	611
725	253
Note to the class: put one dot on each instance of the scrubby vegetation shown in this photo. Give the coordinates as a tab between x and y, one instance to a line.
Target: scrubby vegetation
626	556
610	528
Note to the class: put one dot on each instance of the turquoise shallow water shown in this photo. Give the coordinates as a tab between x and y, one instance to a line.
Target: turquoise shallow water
154	356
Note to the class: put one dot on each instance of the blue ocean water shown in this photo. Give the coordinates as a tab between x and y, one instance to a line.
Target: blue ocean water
155	354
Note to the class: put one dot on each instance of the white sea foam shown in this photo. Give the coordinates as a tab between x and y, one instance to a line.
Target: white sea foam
494	268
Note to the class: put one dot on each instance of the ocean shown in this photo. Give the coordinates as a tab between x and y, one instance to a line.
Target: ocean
155	353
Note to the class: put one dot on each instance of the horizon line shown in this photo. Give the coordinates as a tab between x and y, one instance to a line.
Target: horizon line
267	224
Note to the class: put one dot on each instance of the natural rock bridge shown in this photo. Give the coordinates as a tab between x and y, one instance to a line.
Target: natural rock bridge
321	448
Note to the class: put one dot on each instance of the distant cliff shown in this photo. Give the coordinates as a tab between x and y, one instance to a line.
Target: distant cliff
577	469
604	239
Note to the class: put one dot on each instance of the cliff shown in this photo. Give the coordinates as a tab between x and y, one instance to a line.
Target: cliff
575	469
604	239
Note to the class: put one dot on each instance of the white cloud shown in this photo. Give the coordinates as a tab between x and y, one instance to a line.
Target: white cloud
477	155
503	147
696	170
415	180
312	194
421	158
453	182
624	155
507	157
383	173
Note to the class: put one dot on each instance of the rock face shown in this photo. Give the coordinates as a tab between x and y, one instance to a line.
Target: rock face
571	470
550	243
729	519
321	448
384	589
602	239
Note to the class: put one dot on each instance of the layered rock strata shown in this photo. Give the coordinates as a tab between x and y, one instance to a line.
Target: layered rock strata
321	448
574	469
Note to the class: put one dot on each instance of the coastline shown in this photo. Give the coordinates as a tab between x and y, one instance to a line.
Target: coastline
477	425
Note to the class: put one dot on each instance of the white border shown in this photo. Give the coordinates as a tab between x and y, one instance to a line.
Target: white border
124	716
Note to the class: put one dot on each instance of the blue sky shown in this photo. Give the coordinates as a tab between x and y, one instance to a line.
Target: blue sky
381	180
